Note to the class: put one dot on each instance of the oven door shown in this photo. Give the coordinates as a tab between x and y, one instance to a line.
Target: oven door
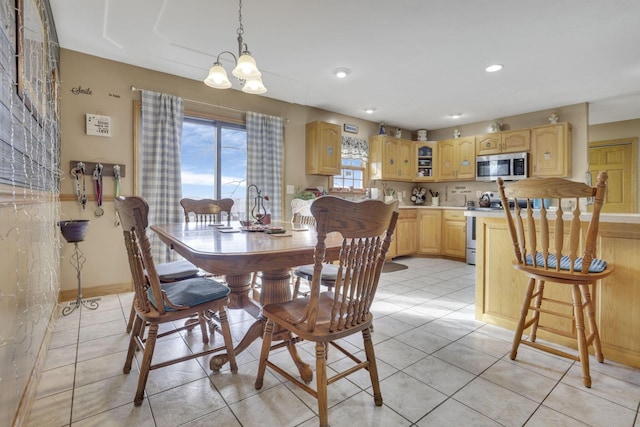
471	240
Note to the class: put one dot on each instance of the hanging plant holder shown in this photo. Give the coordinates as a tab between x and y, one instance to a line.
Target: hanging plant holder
74	230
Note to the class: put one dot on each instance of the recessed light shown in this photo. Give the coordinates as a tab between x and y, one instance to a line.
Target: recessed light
455	115
341	73
369	110
493	68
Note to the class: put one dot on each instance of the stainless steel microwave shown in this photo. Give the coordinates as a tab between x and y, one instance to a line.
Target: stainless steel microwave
510	167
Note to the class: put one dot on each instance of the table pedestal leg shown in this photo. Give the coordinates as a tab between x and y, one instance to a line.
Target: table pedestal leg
275	288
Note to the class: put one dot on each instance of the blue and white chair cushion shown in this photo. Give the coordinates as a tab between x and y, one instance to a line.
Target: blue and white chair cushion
190	292
597	265
329	272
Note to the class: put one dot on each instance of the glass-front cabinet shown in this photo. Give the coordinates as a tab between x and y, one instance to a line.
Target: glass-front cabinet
425	155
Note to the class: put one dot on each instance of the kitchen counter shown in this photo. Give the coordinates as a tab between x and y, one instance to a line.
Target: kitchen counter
412	206
618	218
499	286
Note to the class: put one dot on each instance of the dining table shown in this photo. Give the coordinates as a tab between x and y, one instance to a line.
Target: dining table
237	252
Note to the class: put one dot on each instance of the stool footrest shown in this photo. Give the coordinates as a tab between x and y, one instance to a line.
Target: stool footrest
551	350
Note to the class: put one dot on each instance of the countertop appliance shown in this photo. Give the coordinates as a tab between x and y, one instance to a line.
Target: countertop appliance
510	167
488	201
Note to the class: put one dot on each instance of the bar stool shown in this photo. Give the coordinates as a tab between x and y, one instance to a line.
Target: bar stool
544	262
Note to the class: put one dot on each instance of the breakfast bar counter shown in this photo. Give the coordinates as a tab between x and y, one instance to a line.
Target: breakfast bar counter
499	286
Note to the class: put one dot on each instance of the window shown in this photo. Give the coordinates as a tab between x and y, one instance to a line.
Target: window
352	176
214	161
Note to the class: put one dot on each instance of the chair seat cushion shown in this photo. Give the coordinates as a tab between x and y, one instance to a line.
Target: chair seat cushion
329	272
190	292
176	270
597	265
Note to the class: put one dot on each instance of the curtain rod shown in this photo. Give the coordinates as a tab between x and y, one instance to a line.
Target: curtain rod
134	89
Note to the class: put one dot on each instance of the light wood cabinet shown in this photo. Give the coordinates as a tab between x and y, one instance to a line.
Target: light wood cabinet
323	148
454	233
390	158
429	231
406	236
425	162
511	141
457	159
514	141
488	144
551	150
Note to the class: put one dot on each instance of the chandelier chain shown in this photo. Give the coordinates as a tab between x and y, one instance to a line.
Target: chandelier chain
240	28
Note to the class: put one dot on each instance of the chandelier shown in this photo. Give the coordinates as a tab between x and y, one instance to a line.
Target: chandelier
246	69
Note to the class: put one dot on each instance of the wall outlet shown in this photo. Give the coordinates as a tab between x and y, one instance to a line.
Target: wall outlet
478	194
291	189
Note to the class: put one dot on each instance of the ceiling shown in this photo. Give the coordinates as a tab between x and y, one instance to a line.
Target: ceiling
414	61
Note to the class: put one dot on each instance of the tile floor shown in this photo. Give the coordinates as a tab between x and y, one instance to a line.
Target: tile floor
437	365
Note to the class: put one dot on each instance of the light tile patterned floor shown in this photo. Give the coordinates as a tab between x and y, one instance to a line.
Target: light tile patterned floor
437	365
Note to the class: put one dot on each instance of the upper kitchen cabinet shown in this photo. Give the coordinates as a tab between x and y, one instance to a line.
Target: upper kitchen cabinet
457	159
425	160
551	150
511	141
323	148
391	158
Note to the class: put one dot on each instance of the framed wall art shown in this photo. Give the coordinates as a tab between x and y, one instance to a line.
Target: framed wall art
350	128
32	57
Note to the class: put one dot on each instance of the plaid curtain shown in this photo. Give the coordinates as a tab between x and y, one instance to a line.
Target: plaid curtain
264	159
161	186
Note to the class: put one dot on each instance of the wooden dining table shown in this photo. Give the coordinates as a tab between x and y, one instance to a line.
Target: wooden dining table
236	254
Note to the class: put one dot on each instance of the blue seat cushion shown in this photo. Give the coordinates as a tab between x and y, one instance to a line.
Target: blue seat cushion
176	270
597	265
190	292
329	272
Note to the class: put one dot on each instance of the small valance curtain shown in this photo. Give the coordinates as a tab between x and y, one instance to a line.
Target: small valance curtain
355	148
161	185
264	160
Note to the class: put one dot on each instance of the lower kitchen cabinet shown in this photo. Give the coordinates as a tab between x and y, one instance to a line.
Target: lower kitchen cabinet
429	231
454	234
406	227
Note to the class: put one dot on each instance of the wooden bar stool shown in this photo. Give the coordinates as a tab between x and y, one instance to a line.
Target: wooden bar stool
546	252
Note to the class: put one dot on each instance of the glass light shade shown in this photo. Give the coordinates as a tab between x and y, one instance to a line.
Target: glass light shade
246	68
217	77
254	86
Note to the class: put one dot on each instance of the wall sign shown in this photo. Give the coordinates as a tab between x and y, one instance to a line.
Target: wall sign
98	125
350	128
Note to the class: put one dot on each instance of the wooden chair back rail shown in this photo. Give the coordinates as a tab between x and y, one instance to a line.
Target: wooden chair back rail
206	210
355	283
133	213
360	262
531	240
530	233
303	219
366	229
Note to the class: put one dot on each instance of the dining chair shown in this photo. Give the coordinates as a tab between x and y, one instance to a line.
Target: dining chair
546	244
301	216
210	211
157	303
168	272
206	210
325	317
